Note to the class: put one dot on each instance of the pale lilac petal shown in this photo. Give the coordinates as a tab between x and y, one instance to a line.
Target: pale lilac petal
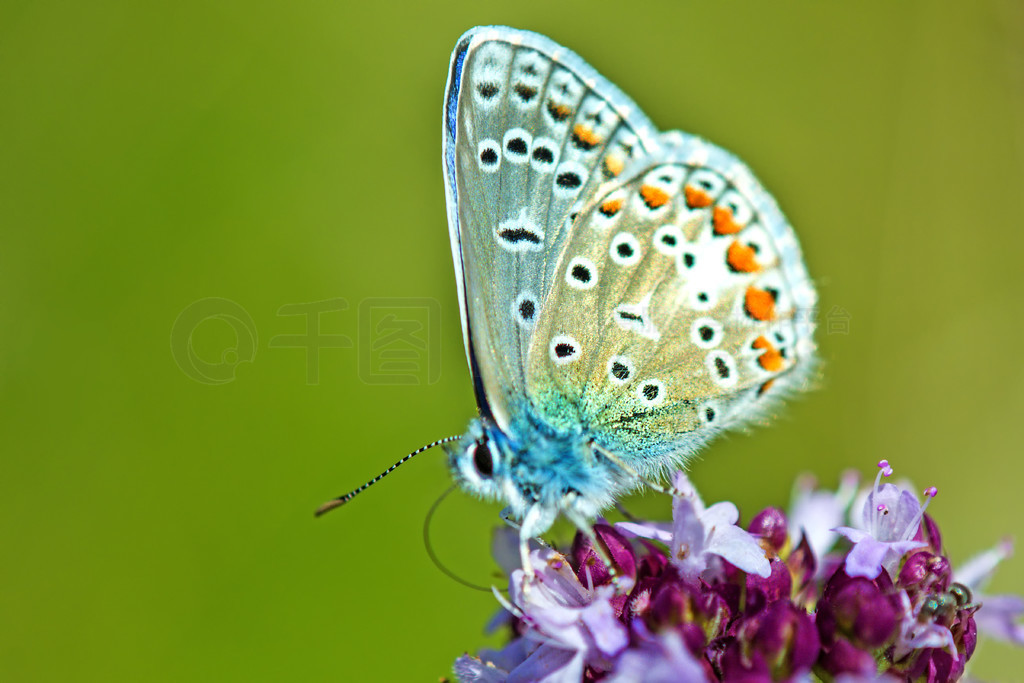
561	626
854	535
657	532
720	514
814	516
741	549
869	555
862	678
665	661
549	665
999	617
682	484
472	670
609	634
978	570
687	545
915	635
921	636
687	527
501	619
865	559
905	520
510	656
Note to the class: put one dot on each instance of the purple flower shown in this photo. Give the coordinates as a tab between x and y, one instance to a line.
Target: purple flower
575	624
698	533
771	527
859	611
720	604
917	633
889	521
784	636
470	669
814	514
661	658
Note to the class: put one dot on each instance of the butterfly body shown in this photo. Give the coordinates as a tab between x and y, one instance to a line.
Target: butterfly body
626	294
533	467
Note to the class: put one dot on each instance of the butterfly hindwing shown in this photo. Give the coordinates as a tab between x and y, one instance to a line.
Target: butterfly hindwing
530	131
680	306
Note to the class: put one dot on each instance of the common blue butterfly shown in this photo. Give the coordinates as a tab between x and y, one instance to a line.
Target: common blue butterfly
626	295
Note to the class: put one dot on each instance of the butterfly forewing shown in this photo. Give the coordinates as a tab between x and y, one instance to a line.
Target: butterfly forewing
679	306
530	133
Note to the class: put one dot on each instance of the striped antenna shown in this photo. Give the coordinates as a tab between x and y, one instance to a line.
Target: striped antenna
341	500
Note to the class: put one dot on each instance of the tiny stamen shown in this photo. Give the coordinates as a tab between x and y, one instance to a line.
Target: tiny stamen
929	493
883	471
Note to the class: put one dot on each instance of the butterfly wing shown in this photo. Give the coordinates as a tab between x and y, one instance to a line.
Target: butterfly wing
680	307
529	129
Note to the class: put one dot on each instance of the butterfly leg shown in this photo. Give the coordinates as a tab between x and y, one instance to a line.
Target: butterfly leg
654	486
626	513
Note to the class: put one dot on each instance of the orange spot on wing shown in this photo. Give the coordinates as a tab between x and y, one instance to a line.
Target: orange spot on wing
771	359
742	258
696	198
585	137
724	224
611	207
559	112
765	387
759	304
614	165
653	196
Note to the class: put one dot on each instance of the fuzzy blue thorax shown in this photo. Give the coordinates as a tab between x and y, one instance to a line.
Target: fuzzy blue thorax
537	471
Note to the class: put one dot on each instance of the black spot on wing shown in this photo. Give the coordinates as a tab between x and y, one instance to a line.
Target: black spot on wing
517	235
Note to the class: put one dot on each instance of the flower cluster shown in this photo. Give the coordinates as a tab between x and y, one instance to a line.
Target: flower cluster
702	599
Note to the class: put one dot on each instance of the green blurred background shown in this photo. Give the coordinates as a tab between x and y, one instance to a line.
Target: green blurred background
152	155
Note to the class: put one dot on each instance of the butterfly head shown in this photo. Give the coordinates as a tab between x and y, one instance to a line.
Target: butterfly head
539	476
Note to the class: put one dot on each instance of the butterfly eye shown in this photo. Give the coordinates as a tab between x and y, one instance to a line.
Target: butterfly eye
482	459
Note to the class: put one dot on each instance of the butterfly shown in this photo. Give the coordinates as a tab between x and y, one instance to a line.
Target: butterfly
626	295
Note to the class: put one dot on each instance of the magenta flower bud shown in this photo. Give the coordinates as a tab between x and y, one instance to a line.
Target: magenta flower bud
762	592
845	658
925	572
965	633
670	605
858	611
735	665
932	665
930	533
802	566
786	636
653	562
675	602
616	546
771	526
